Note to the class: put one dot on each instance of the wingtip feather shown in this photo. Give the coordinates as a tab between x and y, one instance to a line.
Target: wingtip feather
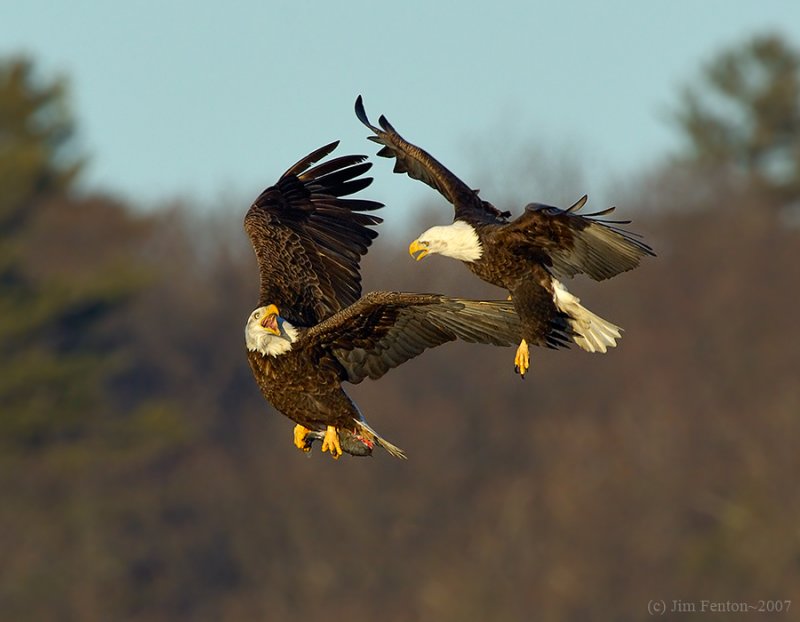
578	204
384	123
315	156
361	114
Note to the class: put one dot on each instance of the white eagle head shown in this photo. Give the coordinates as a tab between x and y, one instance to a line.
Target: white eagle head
459	241
268	333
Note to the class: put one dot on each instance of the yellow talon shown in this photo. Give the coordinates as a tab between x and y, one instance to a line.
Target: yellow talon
331	443
509	297
300	434
522	359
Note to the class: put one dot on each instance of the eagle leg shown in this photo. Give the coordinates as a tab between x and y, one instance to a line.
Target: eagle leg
300	434
331	443
522	359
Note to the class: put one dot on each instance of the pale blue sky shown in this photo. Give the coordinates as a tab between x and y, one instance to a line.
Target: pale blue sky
206	99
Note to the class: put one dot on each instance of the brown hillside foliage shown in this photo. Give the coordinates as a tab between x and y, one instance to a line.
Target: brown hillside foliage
665	469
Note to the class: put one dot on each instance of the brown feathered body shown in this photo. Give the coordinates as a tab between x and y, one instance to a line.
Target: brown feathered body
300	370
517	266
313	330
305	385
525	256
377	333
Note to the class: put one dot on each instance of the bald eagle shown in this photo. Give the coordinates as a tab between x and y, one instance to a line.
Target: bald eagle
312	330
526	256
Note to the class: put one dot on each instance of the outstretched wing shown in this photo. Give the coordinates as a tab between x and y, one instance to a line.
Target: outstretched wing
419	164
385	329
579	243
309	240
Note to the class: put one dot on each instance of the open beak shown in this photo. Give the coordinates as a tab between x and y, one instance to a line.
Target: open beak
270	320
416	247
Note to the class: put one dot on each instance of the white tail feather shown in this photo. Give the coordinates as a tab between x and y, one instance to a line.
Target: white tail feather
392	449
592	333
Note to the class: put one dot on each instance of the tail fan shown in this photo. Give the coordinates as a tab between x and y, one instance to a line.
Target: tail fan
591	332
392	449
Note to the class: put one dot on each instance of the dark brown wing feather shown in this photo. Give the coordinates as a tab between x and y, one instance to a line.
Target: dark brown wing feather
579	243
419	164
385	329
309	240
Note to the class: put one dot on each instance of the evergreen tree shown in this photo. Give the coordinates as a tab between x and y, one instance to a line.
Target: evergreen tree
36	142
44	392
745	113
70	264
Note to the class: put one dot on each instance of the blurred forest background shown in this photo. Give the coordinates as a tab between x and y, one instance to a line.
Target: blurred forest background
144	478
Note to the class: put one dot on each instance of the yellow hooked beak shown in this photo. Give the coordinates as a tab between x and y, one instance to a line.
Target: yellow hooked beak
270	320
418	247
